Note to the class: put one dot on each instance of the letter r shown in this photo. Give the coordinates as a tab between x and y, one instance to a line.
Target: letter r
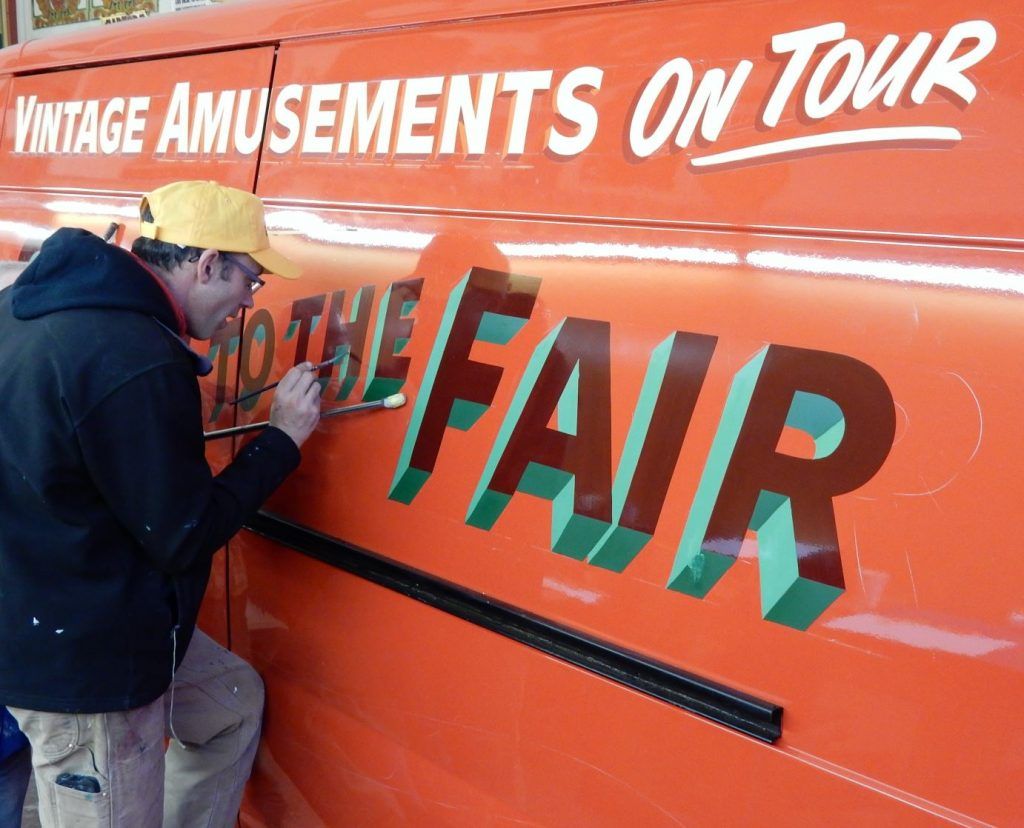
847	408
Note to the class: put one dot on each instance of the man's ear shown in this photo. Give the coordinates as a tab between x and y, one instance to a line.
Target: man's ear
207	267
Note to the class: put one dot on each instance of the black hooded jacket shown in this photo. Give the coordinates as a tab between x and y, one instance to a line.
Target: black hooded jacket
109	514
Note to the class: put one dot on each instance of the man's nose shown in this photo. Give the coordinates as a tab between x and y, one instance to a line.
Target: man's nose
248	301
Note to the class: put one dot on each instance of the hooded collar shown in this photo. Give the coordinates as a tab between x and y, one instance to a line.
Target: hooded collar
75	269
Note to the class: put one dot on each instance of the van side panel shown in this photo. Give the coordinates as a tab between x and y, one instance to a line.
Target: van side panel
867	677
637	112
138	125
423	719
761	458
750	421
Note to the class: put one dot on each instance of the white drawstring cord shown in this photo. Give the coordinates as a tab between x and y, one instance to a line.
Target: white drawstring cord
174	662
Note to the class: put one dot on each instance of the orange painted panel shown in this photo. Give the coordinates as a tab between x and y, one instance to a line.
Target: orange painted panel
120	126
954	148
398	714
386	712
920	612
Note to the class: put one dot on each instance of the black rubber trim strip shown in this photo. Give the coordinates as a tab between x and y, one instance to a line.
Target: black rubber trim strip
749	715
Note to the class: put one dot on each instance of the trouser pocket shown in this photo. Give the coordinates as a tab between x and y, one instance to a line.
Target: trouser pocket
79	809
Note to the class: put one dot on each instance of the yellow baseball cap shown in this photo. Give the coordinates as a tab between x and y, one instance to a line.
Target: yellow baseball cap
209	215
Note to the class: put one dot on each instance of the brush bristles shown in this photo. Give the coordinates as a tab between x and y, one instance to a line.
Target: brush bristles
394	401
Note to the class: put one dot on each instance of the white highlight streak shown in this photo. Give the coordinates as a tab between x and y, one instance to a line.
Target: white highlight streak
888	270
23	230
860	567
920	635
587	596
319	229
913	584
848	138
981	420
607	250
93	208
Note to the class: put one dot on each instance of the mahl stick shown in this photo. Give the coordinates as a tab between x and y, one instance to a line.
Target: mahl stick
393	401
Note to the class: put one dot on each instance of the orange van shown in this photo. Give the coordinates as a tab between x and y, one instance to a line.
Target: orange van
701	510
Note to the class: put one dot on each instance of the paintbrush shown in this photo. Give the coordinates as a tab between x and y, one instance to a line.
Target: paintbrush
392	401
259	391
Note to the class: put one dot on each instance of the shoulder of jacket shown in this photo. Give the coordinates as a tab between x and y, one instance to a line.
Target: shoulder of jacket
127	336
95	352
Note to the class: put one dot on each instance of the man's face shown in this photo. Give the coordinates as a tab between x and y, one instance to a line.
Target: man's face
222	286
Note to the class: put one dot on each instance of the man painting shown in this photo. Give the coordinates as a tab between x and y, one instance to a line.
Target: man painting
109	514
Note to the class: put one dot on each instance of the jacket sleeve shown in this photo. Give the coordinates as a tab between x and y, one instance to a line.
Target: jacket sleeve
143	447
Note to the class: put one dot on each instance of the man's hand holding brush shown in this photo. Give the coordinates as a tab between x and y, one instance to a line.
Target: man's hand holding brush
296	406
290	410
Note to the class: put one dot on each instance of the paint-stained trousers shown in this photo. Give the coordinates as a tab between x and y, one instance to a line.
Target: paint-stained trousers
197	782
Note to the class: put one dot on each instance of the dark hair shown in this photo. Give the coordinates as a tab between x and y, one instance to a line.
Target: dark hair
162	254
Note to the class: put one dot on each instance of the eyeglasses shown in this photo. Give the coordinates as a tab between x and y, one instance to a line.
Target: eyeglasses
255	282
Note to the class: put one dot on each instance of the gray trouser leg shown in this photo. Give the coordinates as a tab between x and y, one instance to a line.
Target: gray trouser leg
121	753
217	713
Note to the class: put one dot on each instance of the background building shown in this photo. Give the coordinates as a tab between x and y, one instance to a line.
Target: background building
23	20
7	12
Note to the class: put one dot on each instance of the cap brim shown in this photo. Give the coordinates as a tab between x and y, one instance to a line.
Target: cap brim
273	262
